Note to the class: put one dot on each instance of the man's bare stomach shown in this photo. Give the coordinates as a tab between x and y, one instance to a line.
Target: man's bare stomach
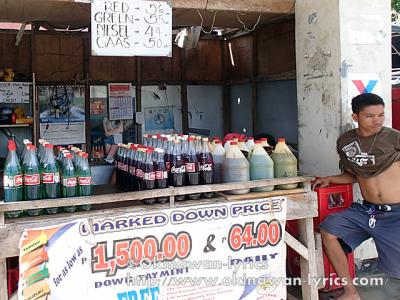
384	188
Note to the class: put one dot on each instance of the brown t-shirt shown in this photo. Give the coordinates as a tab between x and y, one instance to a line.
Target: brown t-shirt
369	159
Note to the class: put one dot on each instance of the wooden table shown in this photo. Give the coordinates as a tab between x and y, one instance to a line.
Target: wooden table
302	206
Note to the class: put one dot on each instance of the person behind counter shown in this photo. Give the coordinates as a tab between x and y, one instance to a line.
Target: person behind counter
370	156
113	135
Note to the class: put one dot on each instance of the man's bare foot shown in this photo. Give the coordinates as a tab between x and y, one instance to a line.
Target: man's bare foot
350	295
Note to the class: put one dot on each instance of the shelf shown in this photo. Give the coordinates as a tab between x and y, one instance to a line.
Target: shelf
14	125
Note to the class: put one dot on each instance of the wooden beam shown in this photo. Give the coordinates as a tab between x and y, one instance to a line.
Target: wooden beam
139	68
297	207
138	196
185	109
296	245
257	6
308	267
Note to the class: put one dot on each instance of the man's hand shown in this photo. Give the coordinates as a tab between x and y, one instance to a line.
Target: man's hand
321	182
345	178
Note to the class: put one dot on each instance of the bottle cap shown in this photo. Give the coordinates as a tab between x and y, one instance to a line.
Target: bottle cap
233	143
257	142
241	140
216	138
191	139
218	142
49	146
264	139
250	138
85	155
12	147
205	139
68	155
281	140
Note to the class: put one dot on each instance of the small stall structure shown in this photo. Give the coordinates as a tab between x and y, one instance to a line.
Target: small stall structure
231	69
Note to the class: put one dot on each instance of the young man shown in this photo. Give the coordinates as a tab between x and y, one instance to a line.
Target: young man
370	155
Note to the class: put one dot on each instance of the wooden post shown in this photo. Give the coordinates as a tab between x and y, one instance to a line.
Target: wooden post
254	83
35	104
139	65
3	268
185	109
88	123
308	267
227	108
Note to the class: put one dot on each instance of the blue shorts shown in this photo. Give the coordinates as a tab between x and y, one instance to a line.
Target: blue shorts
109	140
351	226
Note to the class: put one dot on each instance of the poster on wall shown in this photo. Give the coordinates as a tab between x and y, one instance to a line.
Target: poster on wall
62	114
159	118
121	101
232	250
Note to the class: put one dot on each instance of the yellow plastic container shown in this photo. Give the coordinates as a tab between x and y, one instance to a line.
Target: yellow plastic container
285	164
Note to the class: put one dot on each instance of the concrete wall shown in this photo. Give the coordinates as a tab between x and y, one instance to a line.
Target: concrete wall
365	34
205	108
277	109
241	115
318	85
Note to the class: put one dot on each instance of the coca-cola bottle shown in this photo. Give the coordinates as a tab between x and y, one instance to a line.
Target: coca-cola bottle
149	175
12	180
206	167
68	181
145	139
185	147
198	145
50	177
126	161
192	169
140	168
132	169
32	183
26	142
161	174
168	153
118	158
85	182
177	173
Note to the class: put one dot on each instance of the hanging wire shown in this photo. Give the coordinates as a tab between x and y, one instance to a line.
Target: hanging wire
244	25
202	21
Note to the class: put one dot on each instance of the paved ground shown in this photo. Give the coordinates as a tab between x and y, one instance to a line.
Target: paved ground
390	290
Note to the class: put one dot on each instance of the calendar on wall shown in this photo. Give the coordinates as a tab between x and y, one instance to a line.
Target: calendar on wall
120	101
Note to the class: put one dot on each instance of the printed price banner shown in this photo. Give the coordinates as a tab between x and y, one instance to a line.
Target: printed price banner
232	250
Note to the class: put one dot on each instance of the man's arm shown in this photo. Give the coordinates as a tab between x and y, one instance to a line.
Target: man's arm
344	178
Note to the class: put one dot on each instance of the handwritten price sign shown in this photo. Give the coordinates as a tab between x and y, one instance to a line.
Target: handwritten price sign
131	28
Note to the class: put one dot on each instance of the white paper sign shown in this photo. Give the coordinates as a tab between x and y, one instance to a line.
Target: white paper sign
14	92
120	101
131	28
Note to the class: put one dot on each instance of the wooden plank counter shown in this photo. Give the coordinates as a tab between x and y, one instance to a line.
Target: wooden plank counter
302	206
